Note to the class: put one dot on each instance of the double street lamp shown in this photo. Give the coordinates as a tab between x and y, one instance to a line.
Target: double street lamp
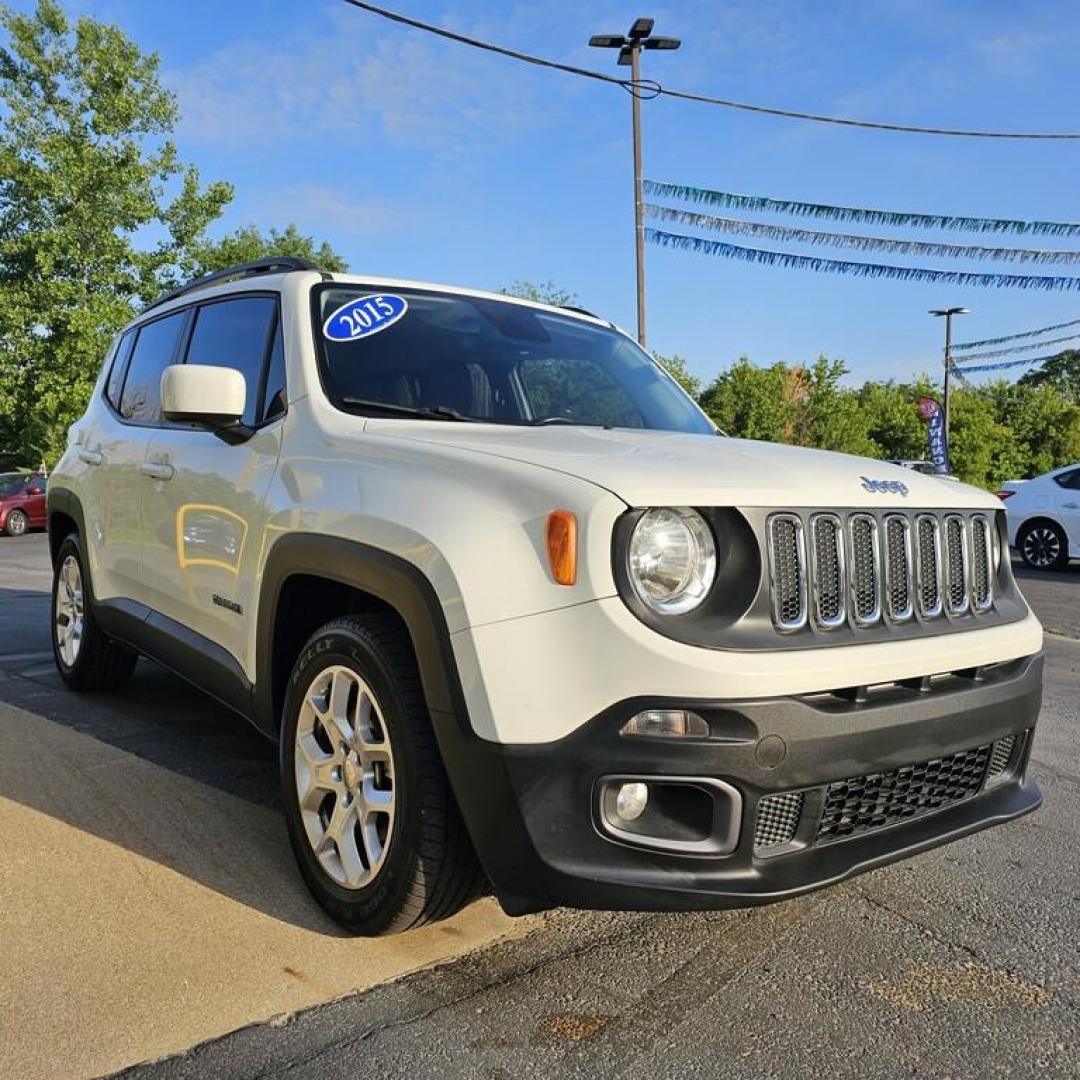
640	36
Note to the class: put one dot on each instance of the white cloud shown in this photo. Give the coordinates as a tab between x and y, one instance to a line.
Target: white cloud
320	210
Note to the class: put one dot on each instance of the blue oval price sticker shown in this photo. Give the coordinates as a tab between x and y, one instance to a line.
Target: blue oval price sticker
364	316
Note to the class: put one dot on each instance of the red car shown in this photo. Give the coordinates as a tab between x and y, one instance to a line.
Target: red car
22	502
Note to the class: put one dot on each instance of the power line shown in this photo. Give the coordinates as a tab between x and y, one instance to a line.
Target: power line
787	234
1016	337
650	88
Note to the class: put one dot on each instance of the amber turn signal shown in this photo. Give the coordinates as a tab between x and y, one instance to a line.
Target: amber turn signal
562	546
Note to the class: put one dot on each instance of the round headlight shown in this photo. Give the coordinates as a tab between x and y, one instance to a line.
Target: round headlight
672	559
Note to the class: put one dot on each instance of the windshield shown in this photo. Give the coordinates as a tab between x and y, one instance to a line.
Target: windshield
406	351
11	483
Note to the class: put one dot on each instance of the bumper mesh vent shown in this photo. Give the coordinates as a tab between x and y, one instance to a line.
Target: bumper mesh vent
777	819
1001	758
863	803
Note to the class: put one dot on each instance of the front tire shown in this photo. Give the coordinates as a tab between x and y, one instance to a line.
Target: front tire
16	523
1044	546
370	814
85	656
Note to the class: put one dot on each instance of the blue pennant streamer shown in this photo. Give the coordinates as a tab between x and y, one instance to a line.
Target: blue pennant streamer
858	269
786	234
767	204
1015	337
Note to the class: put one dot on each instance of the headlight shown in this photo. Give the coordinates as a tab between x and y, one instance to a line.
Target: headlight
672	559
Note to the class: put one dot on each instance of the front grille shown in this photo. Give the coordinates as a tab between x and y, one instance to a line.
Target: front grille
898	567
828	570
788	564
853	569
777	819
873	802
928	565
981	569
865	573
956	592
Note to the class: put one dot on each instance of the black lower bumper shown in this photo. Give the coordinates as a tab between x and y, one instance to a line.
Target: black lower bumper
533	812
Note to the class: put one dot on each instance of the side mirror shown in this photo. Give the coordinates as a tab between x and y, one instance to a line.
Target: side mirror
200	394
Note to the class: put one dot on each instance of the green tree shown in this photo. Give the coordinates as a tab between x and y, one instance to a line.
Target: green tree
675	366
544	292
247	244
1062	372
86	169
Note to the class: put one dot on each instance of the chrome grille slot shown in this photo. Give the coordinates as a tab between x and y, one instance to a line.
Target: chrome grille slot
982	589
787	569
865	570
898	579
956	562
827	571
928	565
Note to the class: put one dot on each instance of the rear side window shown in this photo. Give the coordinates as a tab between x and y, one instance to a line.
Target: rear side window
236	334
119	367
153	353
1069	480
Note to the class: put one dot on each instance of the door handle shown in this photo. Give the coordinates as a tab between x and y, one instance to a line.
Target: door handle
156	470
1070	506
91	457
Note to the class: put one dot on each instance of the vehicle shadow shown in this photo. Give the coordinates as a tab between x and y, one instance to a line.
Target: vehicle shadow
1069	576
188	783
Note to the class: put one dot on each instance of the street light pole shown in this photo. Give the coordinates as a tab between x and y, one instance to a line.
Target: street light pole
639	37
948	314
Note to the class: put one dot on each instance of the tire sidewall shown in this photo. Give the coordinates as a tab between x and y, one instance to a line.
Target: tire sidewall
17	516
1063	541
385	894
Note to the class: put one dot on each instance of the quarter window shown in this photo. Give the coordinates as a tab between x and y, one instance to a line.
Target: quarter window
153	353
236	333
1069	480
119	367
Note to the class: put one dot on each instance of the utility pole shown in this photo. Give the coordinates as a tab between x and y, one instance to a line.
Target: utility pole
948	314
639	37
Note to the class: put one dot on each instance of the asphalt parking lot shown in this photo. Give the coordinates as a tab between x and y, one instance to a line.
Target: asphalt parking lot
150	904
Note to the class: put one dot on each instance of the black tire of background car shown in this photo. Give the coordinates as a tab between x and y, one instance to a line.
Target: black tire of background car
101	663
16	523
430	871
1062	559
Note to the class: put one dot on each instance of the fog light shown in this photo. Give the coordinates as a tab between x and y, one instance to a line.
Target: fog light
631	800
666	722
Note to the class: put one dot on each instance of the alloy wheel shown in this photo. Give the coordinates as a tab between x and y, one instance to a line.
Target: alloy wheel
1042	547
17	523
345	776
69	614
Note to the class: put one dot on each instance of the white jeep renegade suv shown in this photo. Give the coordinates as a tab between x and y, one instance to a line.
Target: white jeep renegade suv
518	616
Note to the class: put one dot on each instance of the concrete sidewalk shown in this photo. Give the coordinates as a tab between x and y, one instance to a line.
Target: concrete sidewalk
145	911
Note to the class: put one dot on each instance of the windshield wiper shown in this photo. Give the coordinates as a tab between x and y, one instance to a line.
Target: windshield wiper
426	412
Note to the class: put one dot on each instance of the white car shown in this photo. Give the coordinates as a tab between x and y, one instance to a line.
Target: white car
519	618
1044	517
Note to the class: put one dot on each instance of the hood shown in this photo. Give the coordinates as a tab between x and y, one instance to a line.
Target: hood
661	468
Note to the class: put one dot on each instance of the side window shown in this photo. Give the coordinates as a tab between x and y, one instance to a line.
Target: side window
119	367
36	486
1070	480
236	333
153	353
276	397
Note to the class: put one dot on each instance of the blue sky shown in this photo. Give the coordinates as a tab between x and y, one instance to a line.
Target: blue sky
420	158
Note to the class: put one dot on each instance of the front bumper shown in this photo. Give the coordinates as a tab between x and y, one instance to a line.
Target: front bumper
533	813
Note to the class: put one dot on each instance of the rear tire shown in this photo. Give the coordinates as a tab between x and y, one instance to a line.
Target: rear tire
16	523
86	657
371	817
1044	546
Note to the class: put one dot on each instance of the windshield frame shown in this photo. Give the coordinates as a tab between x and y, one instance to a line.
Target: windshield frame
571	315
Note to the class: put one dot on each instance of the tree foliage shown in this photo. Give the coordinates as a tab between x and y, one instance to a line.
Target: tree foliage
247	244
543	292
87	171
